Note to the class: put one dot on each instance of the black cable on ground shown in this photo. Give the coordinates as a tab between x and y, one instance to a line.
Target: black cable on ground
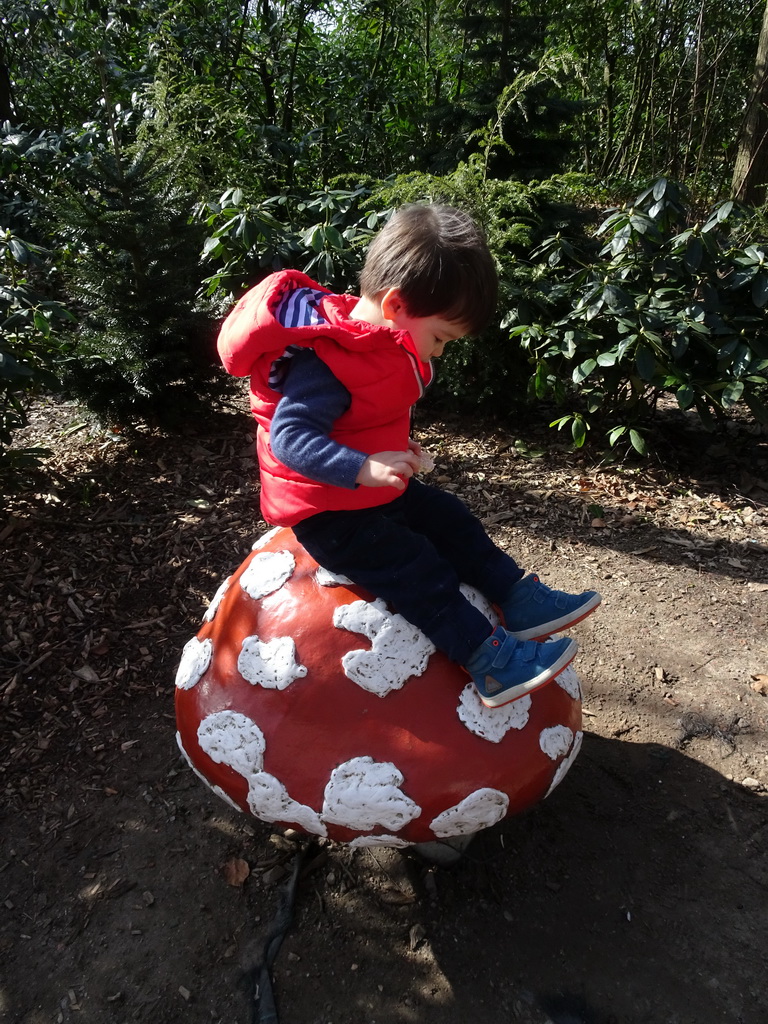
264	1008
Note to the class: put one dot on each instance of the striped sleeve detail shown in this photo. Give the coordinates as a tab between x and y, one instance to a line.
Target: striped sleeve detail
300	308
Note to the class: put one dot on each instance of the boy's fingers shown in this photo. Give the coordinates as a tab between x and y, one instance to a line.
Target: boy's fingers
389	469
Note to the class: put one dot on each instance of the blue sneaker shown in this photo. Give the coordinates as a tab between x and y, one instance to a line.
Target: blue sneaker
504	669
533	611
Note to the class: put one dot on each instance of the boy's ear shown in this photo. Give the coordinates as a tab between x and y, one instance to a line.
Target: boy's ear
392	303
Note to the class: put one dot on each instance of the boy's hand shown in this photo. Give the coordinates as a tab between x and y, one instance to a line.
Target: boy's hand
388	469
426	462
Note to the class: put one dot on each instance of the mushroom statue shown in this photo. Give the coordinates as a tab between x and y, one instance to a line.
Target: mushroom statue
306	702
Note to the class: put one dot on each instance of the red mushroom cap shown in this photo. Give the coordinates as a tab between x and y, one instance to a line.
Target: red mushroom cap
304	701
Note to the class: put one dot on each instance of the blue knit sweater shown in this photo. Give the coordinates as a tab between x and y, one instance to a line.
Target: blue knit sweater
313	399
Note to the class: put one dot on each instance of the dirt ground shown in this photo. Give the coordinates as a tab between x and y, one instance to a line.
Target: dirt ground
636	894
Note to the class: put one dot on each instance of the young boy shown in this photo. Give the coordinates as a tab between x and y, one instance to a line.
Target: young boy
333	380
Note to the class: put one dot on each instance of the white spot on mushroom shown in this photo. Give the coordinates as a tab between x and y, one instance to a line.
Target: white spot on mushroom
267	572
362	842
195	659
491	724
363	793
481	809
556	741
326	578
569	682
213	607
231	738
271	664
214	789
228	737
268	799
265	538
565	765
398	649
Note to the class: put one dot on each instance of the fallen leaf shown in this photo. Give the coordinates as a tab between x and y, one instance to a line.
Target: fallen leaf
416	936
760	684
87	674
235	871
391	894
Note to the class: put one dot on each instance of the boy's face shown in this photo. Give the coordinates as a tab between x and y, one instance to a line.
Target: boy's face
430	334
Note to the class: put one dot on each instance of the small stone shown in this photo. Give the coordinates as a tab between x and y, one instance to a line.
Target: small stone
184	993
285	842
751	783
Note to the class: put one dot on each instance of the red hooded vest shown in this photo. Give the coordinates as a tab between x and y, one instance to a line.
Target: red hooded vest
377	365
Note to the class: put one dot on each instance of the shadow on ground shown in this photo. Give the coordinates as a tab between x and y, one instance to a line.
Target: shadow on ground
634	895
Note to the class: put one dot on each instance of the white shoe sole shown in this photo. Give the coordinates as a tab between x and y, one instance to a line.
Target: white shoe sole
545	629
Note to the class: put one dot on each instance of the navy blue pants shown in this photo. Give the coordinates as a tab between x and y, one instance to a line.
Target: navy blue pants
414	552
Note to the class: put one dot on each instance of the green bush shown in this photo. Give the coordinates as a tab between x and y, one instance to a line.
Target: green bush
665	306
29	348
143	348
321	234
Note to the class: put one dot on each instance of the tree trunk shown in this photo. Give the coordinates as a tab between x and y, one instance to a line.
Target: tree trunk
6	94
751	171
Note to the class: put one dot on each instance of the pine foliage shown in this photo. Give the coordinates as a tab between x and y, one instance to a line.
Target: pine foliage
144	350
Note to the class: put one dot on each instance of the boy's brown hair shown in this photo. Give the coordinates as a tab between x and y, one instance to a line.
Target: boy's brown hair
438	258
